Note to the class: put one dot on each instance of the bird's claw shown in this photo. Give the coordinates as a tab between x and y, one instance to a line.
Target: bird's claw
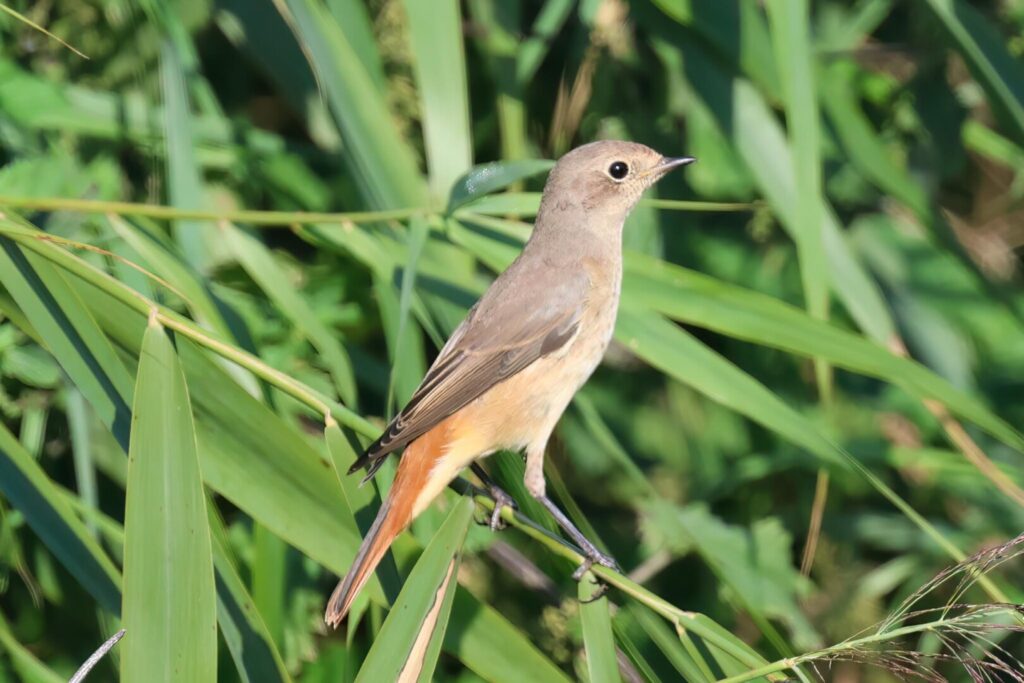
501	501
592	558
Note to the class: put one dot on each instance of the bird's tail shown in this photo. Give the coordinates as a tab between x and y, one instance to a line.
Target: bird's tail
396	513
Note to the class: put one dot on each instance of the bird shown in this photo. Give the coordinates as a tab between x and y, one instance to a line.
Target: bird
509	370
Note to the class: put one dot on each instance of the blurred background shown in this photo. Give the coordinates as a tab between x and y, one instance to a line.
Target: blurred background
836	282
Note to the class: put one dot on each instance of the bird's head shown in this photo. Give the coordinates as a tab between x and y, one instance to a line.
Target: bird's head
608	177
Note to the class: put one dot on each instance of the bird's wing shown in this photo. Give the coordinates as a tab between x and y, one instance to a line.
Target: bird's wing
500	337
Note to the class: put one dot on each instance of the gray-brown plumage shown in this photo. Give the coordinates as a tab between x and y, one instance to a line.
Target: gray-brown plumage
507	373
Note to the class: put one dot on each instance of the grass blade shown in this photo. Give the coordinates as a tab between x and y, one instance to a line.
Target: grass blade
487	178
241	623
598	641
407	646
790	24
168	557
184	184
743	112
439	63
70	333
382	162
493	648
25	485
27	666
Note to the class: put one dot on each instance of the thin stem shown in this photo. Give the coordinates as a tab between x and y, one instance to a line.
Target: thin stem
288	218
687	205
260	218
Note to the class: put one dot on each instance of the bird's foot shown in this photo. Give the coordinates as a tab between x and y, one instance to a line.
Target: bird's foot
501	501
594	556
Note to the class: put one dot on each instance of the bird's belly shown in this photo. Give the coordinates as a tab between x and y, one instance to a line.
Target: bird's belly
523	410
526	406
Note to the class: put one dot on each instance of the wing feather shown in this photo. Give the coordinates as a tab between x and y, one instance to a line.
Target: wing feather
499	338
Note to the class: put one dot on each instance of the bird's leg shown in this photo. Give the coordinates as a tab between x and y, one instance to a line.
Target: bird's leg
501	499
535	484
590	552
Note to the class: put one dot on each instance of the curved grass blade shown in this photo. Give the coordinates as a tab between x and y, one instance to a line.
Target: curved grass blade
406	369
679	651
25	20
736	30
169	600
598	641
743	113
536	46
493	647
168	266
488	178
407	646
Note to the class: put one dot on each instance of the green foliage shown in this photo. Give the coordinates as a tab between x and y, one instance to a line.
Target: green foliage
232	240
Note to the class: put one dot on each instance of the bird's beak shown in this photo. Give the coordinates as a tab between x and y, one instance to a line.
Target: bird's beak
667	164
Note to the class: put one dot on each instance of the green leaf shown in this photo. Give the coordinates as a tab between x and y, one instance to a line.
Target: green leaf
537	44
598	641
241	624
250	26
439	64
406	368
745	115
408	644
487	178
736	30
686	660
25	485
169	601
69	332
177	273
184	183
791	36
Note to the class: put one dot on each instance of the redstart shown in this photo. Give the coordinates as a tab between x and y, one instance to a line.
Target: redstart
506	375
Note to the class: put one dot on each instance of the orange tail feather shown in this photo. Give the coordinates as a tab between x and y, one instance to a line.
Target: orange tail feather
396	513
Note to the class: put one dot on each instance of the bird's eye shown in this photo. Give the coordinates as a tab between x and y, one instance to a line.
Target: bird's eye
618	170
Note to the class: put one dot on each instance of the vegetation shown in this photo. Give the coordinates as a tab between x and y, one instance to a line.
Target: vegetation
233	237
